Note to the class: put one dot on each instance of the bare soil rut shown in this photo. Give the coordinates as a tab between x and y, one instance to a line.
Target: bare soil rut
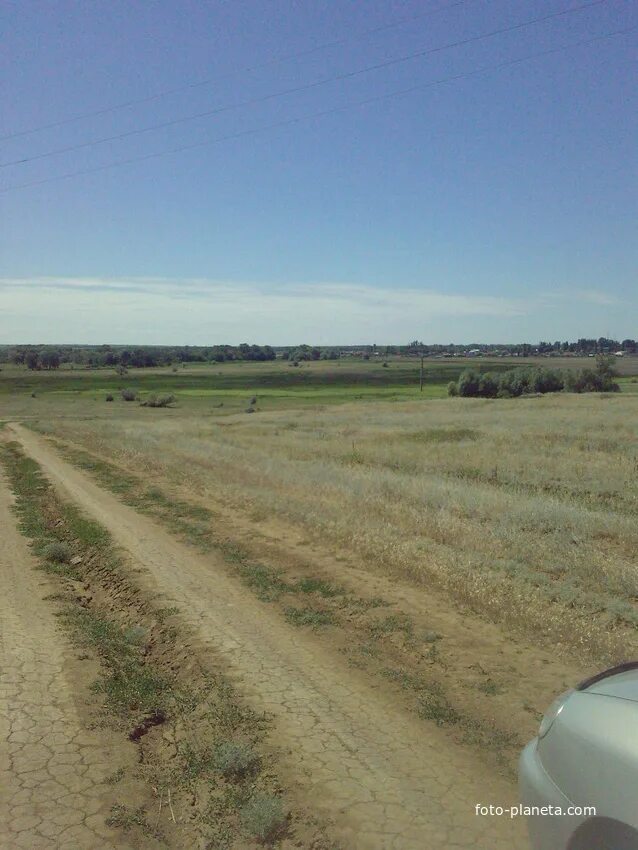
52	768
388	781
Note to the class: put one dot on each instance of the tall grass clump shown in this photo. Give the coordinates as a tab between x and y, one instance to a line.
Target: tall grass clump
58	551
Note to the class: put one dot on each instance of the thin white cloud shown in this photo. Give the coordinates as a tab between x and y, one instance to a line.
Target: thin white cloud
602	299
199	311
585	296
248	296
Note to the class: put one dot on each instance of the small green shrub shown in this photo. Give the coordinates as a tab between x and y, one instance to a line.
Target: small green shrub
158	400
263	816
390	624
318	585
490	688
308	617
116	776
110	397
235	760
129	395
434	705
126	819
452	389
266	582
58	551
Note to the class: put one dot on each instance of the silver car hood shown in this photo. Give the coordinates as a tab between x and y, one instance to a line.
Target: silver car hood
621	682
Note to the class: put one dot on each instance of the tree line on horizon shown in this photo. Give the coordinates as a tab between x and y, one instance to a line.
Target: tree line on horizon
36	357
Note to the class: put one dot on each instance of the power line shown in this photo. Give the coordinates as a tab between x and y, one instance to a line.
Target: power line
305	87
308	117
279	60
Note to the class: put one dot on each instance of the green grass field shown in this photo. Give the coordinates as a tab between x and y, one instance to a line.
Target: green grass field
222	388
225	388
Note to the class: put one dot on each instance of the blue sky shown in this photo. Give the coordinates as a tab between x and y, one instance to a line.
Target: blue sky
500	206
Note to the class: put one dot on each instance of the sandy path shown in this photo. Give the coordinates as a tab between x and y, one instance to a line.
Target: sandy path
52	770
391	782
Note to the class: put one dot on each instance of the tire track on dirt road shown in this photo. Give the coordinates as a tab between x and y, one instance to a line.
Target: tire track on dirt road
53	793
390	782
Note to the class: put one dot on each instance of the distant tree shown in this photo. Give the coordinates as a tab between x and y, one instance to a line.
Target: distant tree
600	379
546	381
514	383
305	352
606	372
144	358
32	360
50	359
469	384
586	346
488	385
269	352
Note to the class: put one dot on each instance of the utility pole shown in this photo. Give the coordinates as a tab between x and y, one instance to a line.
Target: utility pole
421	376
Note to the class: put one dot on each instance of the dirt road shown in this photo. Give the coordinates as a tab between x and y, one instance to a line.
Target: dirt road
389	781
52	769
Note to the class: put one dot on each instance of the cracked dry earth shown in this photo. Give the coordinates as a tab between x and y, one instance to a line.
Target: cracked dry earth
386	780
52	768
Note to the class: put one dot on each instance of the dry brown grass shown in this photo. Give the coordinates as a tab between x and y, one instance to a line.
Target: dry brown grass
524	510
